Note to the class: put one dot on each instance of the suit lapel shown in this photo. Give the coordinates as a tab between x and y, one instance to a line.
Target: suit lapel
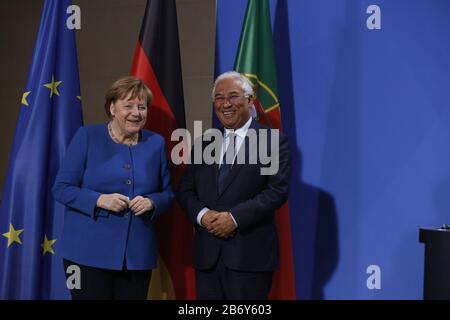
211	171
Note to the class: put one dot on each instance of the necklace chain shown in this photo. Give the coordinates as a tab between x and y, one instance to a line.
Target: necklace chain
133	142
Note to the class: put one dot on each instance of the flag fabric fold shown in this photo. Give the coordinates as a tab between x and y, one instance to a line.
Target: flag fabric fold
157	62
50	113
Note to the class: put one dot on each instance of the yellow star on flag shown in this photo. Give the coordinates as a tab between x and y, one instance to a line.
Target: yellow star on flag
13	235
53	86
47	245
24	97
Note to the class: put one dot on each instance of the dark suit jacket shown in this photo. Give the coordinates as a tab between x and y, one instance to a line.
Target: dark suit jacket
252	199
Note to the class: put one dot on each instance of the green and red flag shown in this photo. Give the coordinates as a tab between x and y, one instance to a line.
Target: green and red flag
256	60
157	62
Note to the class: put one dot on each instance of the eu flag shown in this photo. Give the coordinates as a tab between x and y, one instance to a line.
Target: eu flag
50	113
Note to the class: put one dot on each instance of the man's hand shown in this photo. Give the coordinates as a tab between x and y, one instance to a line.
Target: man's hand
114	202
209	217
223	226
140	205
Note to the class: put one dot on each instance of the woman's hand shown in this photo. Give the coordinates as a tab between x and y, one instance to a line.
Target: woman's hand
114	202
140	205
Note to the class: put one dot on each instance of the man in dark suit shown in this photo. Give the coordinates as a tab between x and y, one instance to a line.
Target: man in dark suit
232	203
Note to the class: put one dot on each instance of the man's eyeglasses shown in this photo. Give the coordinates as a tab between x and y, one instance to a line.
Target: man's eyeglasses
233	99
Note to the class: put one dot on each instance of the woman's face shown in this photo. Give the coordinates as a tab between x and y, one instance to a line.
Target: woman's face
130	114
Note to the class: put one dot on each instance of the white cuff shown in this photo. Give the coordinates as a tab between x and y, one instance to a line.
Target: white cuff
235	223
201	214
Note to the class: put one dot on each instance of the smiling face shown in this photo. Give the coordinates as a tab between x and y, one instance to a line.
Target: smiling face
231	105
129	114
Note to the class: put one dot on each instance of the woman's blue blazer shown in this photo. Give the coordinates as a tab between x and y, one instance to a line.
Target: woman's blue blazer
94	164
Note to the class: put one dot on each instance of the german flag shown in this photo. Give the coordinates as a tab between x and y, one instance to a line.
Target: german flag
157	62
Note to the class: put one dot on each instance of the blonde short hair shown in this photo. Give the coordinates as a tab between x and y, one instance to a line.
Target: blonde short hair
122	87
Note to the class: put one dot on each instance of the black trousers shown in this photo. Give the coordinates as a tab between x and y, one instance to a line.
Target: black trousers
222	283
104	284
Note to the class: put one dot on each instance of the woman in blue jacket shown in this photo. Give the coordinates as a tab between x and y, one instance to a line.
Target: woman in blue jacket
114	182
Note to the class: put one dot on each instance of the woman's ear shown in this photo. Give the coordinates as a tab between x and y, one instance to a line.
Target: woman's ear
112	109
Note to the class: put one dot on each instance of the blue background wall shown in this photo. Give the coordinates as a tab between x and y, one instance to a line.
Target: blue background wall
368	117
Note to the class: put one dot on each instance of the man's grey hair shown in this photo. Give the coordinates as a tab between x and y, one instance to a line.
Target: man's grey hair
246	85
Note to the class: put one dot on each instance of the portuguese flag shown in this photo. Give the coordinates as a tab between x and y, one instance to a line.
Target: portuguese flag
157	62
256	60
